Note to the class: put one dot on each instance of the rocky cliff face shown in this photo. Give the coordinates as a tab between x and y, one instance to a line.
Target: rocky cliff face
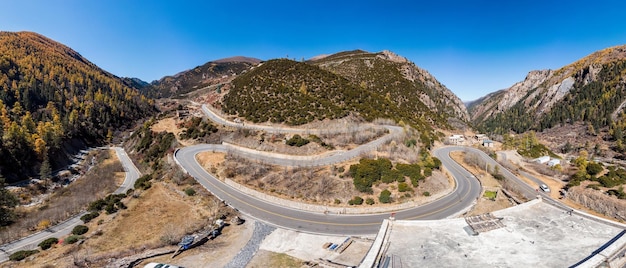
588	90
505	99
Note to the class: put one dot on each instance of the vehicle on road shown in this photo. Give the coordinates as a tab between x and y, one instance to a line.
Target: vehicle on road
544	188
160	265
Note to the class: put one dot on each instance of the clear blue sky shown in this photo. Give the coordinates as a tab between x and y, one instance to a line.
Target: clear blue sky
474	47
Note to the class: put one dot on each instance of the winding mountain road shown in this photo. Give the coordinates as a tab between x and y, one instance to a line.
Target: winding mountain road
65	228
467	189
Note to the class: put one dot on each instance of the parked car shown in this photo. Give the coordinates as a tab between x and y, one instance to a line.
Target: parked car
160	265
544	188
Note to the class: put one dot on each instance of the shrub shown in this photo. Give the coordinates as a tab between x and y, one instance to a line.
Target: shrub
357	200
43	224
120	205
619	193
490	195
337	201
96	205
593	168
297	141
46	244
190	191
410	143
110	208
385	197
80	229
369	201
403	187
72	239
594	186
368	171
426	193
89	216
428	172
22	254
143	182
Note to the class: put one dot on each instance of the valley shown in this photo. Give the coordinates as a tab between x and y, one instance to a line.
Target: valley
336	148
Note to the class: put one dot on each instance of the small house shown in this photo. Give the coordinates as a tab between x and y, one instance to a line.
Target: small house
542	160
487	143
456	139
481	138
554	162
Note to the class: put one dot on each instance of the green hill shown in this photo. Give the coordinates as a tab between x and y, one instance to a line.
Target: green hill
369	85
298	93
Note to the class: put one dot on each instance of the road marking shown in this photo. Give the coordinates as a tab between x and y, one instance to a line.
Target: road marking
195	169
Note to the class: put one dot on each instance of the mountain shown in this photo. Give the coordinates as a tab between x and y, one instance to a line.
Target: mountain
396	78
211	73
591	91
371	85
50	96
134	82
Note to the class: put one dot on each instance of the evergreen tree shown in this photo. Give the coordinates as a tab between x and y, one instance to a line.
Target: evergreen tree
8	201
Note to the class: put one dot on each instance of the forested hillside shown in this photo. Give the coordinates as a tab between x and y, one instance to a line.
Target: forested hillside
592	90
49	95
286	91
399	81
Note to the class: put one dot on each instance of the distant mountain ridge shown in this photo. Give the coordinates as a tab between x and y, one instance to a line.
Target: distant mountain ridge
591	90
210	73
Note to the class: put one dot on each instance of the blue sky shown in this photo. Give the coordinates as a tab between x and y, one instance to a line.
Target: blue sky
473	47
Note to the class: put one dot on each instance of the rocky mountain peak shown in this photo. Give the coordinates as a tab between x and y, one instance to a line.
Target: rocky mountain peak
390	56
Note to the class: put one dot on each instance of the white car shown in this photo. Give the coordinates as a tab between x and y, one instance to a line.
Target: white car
544	188
159	265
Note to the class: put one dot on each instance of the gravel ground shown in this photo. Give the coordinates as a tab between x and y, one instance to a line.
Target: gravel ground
261	230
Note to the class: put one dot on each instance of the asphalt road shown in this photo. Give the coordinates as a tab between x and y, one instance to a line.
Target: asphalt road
65	228
467	191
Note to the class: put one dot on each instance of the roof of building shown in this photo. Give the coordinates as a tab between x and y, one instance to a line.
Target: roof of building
533	234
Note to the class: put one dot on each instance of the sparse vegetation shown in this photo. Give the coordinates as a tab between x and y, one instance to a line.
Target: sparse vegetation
80	229
297	141
46	244
70	200
370	171
72	239
196	128
89	216
527	145
491	195
111	203
385	196
190	191
153	145
143	182
22	254
357	200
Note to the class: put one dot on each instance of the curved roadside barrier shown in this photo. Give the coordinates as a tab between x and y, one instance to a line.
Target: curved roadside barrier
298	217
